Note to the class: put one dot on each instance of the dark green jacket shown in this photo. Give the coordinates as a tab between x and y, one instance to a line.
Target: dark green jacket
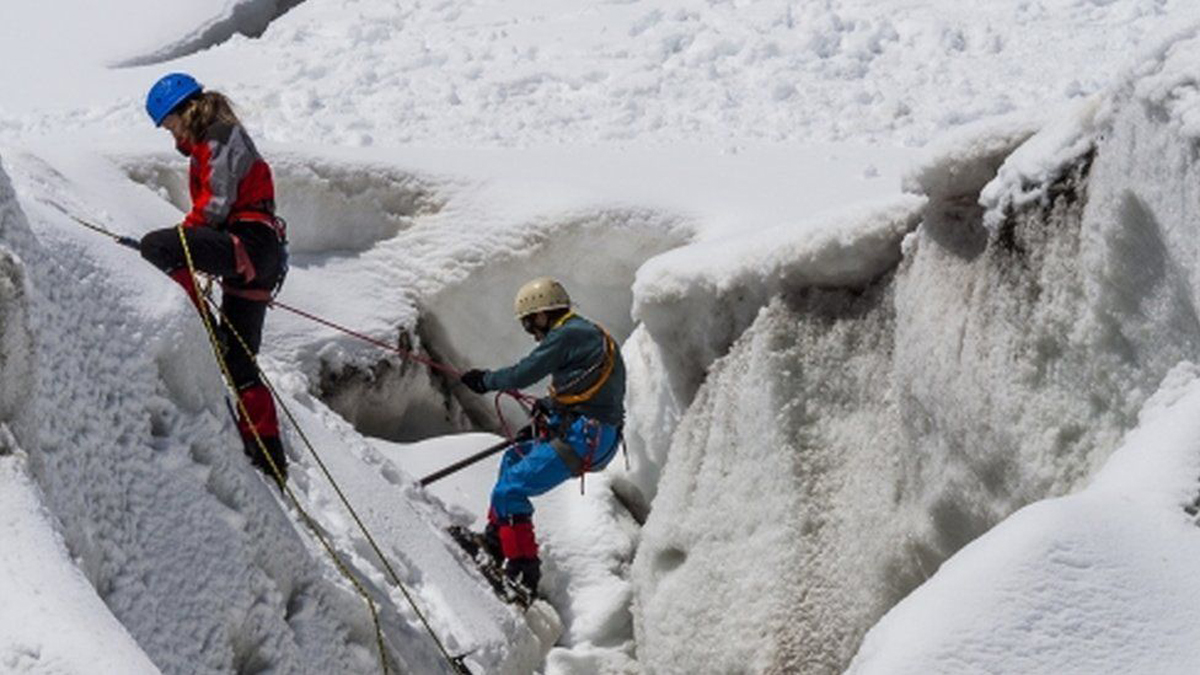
568	352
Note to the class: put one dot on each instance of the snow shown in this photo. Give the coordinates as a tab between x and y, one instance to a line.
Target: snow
1028	174
698	298
53	621
825	357
1101	581
483	72
884	429
63	57
211	572
675	70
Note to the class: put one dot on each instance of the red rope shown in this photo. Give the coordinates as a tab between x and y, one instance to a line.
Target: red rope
524	400
410	355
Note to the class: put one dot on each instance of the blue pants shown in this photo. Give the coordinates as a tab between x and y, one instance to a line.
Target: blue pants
533	467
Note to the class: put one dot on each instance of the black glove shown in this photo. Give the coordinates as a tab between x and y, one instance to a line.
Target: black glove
542	407
473	380
525	433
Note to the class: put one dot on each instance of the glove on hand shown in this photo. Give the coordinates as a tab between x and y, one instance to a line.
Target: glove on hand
542	407
473	380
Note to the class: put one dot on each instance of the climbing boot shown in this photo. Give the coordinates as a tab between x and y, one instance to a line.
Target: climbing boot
490	543
519	545
261	421
525	571
277	457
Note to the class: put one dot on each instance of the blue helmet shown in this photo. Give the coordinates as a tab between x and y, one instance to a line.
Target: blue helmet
168	93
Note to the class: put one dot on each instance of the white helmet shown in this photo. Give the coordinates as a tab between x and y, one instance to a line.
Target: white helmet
540	295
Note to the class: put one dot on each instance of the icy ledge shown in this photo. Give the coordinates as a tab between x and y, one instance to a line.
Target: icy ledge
695	301
699	298
240	17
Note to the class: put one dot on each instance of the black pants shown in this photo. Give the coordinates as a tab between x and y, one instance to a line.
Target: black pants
212	252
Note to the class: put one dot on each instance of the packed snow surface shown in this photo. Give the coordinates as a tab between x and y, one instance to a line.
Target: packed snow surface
53	621
579	72
1101	581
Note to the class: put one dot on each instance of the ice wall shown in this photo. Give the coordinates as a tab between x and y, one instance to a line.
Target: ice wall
856	436
1100	581
16	348
53	621
694	302
1120	552
133	459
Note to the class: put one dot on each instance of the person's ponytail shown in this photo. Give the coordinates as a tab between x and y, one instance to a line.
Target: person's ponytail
202	111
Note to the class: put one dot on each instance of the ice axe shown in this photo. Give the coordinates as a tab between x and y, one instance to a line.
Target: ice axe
468	461
128	242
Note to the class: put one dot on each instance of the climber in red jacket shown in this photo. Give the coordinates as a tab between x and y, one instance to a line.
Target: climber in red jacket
232	233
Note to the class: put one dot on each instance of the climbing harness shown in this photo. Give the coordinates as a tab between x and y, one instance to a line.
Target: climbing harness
578	466
604	366
244	266
456	663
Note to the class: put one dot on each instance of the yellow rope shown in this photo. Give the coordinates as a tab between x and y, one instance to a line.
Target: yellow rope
346	502
279	477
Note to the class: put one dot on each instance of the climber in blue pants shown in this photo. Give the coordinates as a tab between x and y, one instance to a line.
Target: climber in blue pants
533	467
577	428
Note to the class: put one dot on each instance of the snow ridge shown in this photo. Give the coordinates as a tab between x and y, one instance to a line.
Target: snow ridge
241	17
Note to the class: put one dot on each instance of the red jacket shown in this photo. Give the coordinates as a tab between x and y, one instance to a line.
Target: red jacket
228	179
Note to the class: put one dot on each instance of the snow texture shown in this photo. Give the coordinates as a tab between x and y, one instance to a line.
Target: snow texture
825	403
698	301
878	432
53	621
181	539
485	72
1080	584
1101	580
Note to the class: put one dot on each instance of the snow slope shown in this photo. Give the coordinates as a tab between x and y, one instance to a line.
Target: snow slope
576	72
182	540
1100	581
53	621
